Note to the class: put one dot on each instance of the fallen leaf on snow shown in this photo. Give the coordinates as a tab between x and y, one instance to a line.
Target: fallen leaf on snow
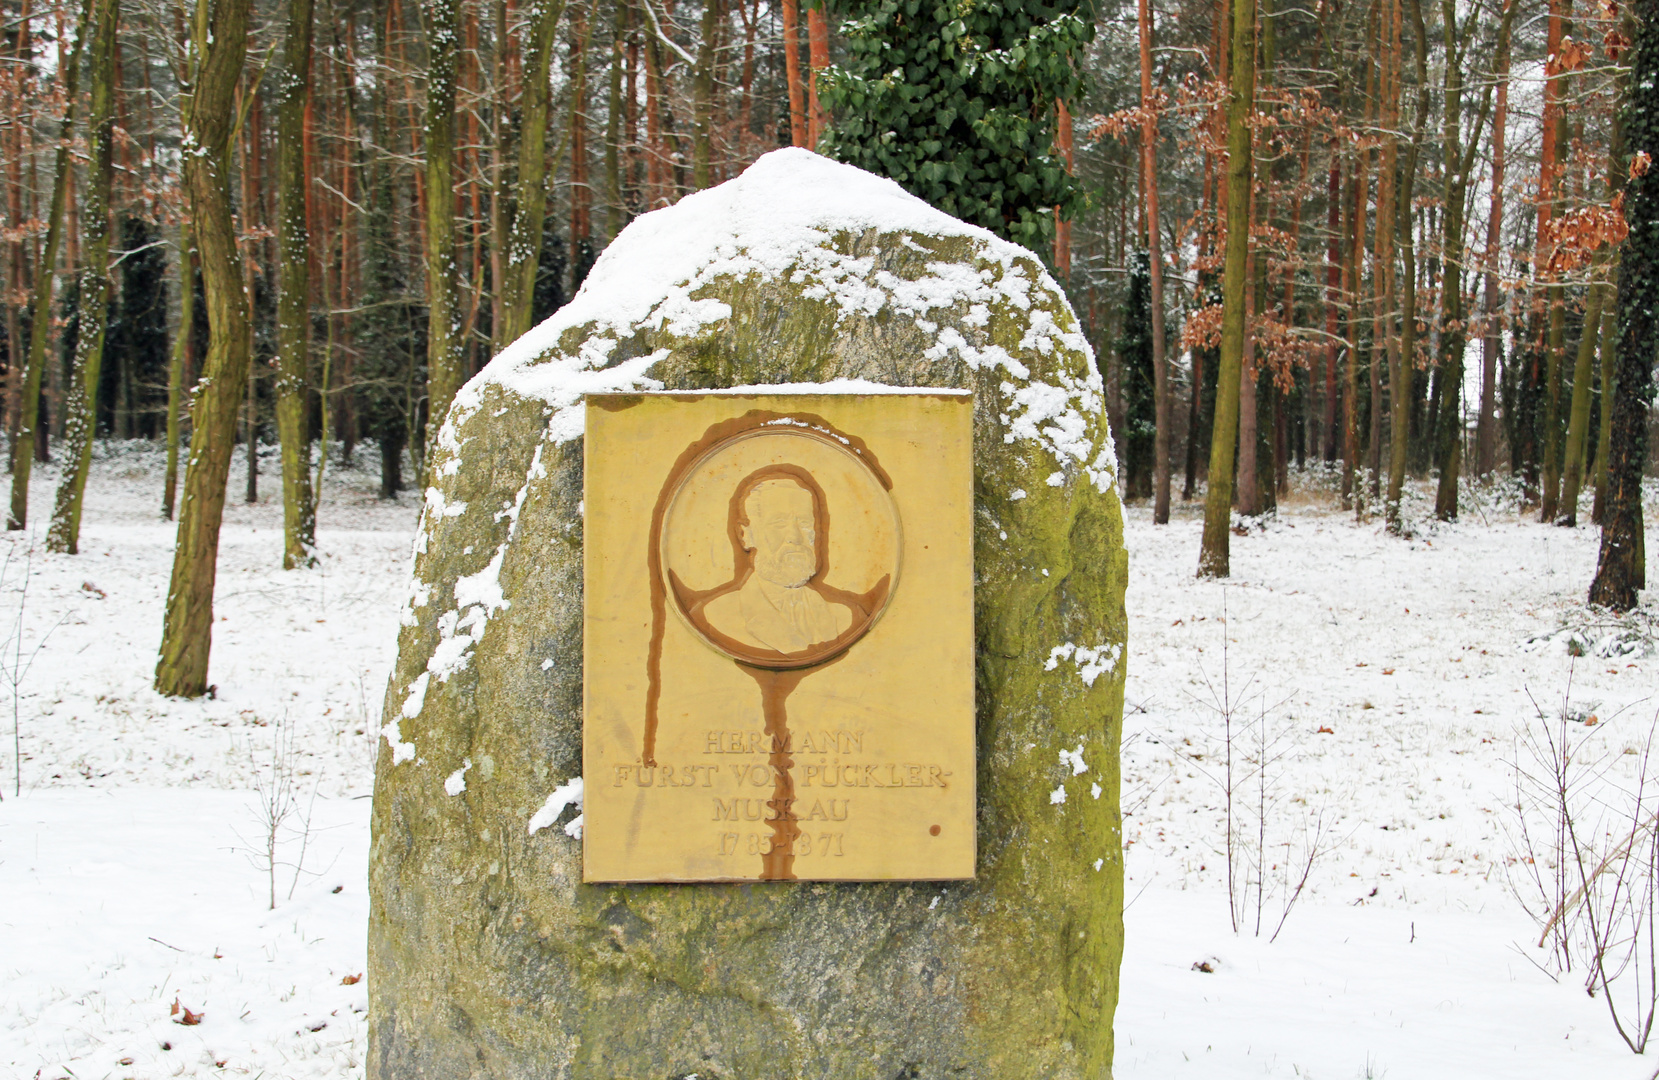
352	980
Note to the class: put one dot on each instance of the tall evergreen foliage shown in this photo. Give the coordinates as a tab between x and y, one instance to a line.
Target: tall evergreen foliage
1135	356
132	393
954	99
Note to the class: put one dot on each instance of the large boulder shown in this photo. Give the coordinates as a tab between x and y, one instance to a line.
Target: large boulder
488	955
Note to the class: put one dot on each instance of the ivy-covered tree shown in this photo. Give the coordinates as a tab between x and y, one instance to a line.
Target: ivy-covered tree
955	101
1621	569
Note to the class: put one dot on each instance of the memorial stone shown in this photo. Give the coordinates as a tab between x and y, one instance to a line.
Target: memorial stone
809	486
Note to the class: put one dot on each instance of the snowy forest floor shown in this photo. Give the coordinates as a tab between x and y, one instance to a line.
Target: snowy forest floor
1390	680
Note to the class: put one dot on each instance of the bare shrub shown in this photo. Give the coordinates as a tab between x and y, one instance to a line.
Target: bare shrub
282	820
1584	855
1271	847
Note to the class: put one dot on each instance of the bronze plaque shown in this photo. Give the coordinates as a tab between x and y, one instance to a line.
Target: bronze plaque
778	637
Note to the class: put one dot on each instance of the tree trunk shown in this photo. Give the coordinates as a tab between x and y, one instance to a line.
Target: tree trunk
1609	335
183	355
792	73
1160	370
1333	295
1249	429
1454	337
1214	555
1554	126
299	508
1486	430
702	168
1621	571
17	268
818	53
24	449
518	278
209	126
1578	425
252	167
443	336
615	204
1400	394
1352	486
581	191
80	414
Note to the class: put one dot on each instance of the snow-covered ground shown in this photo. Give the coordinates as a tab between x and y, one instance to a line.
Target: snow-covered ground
131	871
1390	675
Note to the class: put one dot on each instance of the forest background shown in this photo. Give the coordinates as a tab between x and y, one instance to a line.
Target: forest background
307	222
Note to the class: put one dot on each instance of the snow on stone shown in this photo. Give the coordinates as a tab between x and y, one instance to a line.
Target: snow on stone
1074	759
412	705
1057	796
457	780
1091	662
760	225
567	794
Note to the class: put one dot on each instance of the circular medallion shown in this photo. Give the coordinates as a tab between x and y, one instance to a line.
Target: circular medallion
780	545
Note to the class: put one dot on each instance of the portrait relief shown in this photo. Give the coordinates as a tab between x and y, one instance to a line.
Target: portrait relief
777	608
780	548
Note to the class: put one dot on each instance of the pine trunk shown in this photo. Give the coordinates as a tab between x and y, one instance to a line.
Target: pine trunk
818	53
792	72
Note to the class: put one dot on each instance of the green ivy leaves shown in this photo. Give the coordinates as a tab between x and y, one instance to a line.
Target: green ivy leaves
955	101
